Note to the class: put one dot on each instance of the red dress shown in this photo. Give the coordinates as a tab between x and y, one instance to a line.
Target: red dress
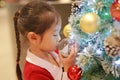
34	72
36	68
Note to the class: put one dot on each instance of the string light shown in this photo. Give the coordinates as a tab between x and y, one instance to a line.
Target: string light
117	62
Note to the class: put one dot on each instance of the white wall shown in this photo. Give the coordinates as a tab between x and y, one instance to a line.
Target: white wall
7	48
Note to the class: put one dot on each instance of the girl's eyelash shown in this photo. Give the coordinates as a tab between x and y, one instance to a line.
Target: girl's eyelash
54	35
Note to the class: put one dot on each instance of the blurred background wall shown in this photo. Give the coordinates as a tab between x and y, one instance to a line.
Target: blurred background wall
8	48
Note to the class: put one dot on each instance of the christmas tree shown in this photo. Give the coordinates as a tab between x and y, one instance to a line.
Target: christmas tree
95	25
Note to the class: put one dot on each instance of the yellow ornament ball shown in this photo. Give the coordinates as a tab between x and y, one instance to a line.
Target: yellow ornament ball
89	22
66	30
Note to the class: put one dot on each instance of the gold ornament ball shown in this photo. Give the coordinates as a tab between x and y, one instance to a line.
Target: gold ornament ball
66	30
89	22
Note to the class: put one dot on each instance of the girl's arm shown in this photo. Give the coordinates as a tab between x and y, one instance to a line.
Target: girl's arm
69	61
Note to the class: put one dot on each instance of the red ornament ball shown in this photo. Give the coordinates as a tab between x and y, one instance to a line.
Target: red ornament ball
74	72
115	10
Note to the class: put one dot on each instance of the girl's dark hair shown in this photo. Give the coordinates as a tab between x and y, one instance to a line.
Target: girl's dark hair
37	17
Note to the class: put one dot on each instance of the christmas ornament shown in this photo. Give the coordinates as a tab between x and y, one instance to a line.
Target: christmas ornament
89	22
115	10
74	73
112	46
64	46
104	13
66	30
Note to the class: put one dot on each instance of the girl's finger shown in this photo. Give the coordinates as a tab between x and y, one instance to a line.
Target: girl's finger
76	48
61	56
72	51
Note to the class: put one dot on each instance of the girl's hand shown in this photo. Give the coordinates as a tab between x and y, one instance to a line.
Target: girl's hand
70	60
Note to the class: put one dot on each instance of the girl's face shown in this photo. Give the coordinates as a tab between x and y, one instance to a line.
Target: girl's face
50	38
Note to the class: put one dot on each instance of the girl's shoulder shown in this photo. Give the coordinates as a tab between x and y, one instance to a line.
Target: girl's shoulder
32	70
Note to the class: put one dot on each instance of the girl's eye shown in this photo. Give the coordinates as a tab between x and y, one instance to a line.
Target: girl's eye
55	35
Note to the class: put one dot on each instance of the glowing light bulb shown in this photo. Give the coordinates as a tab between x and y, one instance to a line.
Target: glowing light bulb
99	52
117	62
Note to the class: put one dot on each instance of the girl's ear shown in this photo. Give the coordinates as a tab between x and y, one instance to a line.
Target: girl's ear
33	37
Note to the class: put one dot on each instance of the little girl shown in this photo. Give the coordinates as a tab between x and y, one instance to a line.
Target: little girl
40	24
